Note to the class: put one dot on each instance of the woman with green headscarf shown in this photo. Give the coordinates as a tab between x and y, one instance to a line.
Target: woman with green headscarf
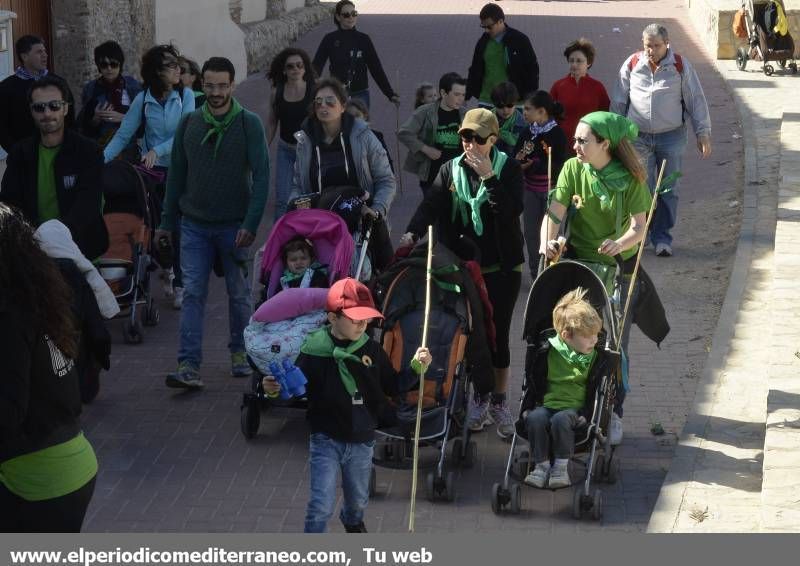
606	183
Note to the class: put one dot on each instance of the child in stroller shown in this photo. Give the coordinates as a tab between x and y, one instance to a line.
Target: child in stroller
569	361
301	270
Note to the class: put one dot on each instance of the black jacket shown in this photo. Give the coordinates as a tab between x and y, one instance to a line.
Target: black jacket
501	241
556	140
351	54
16	122
78	168
523	68
39	393
331	409
94	346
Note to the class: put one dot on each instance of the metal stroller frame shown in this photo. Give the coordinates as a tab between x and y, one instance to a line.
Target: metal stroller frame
758	43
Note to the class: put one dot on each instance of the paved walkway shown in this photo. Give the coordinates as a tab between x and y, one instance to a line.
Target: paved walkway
745	416
177	462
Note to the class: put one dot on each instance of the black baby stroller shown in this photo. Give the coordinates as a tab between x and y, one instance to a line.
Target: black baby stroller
131	215
590	438
764	43
452	330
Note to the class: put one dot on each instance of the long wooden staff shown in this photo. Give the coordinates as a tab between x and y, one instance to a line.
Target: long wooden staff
421	382
632	284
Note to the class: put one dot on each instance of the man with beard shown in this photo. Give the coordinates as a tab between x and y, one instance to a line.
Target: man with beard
657	89
15	117
218	183
55	174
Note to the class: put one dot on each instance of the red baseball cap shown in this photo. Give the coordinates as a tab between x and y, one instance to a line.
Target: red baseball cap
352	299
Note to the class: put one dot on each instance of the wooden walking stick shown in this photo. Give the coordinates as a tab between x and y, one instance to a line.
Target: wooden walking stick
421	382
635	273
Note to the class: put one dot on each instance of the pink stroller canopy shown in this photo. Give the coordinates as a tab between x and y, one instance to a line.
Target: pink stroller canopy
333	244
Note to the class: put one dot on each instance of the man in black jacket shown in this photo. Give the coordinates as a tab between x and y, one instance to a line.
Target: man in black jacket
56	172
15	118
501	54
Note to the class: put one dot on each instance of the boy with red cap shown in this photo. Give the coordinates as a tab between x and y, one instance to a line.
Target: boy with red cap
349	376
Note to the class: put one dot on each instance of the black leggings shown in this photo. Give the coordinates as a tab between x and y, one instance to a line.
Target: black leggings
503	288
59	515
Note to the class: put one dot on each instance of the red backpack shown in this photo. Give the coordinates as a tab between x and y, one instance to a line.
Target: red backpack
635	59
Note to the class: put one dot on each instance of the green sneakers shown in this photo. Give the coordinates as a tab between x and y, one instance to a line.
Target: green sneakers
239	365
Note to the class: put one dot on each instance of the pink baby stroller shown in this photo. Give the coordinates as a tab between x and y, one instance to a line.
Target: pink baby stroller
281	323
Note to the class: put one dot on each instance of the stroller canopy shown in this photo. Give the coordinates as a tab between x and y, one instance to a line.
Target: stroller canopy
552	284
333	244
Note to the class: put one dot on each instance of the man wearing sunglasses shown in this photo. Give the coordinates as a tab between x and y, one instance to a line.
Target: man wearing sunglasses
15	117
55	174
501	54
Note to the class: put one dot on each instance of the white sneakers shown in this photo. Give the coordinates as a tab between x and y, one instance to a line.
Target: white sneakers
553	477
615	429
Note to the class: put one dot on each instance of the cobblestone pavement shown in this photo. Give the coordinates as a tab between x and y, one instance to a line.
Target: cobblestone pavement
173	461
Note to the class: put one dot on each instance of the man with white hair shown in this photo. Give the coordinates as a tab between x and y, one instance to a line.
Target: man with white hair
658	89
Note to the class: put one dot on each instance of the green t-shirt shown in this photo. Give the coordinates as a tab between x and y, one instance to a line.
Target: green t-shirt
494	65
50	472
47	199
591	225
566	382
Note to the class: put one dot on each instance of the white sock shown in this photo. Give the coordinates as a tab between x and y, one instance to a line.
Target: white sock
561	462
543	465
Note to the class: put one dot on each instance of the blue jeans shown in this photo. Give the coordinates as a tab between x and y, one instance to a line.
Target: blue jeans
285	157
198	246
326	458
362	95
653	148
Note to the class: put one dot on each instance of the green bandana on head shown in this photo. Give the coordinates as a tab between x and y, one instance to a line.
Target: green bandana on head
611	127
462	196
582	361
219	127
320	343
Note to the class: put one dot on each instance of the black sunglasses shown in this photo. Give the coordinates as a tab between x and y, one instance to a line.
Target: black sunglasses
53	105
108	64
352	14
505	106
471	137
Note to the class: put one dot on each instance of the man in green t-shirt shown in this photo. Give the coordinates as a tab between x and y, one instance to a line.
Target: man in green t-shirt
501	54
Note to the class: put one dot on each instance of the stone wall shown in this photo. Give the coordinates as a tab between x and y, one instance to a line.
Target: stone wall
263	40
80	25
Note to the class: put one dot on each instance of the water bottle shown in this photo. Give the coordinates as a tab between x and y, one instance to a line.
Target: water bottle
294	378
280	376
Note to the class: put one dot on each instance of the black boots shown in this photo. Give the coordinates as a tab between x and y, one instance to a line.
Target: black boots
359	528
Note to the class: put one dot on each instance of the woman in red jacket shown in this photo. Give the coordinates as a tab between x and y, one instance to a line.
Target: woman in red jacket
578	93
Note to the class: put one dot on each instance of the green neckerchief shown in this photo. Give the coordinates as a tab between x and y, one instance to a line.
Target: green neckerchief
462	196
507	130
219	127
320	343
582	361
613	178
289	277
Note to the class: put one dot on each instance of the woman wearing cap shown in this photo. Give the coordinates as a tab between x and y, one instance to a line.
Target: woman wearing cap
609	182
477	199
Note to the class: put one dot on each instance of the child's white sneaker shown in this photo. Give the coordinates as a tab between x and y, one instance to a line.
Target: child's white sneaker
615	429
559	476
538	477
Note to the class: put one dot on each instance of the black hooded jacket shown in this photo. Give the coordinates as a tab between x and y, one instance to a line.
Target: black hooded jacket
523	67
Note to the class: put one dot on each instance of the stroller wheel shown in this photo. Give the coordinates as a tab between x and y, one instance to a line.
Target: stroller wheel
471	455
250	418
597	505
449	486
455	452
151	315
741	58
497	507
430	492
516	499
577	503
768	70
132	333
373	482
793	68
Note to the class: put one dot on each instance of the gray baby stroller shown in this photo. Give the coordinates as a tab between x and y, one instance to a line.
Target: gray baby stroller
763	42
593	452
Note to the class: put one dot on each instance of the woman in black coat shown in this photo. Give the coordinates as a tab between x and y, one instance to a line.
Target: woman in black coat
476	203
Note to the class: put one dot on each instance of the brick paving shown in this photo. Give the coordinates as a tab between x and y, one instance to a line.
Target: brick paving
175	461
